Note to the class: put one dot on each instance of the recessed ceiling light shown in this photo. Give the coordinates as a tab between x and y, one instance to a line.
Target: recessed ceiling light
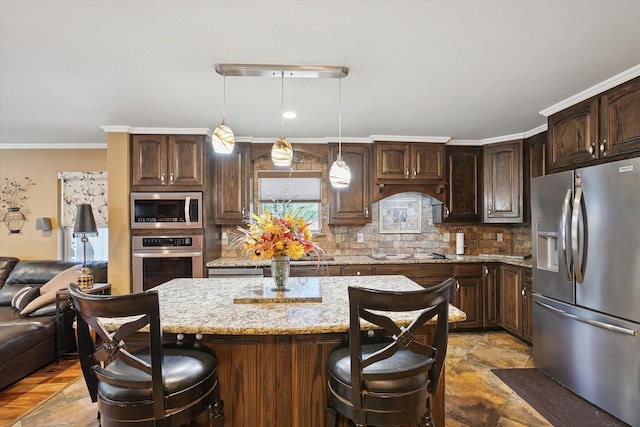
289	114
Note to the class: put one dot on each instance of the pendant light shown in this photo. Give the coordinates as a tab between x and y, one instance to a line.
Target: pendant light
339	173
282	152
223	139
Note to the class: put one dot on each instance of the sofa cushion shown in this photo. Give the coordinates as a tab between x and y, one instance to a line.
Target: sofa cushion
24	296
62	279
38	272
6	265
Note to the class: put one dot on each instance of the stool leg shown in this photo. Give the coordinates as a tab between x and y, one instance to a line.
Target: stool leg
331	418
216	413
426	420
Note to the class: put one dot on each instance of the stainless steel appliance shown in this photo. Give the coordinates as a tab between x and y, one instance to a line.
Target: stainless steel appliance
158	259
170	210
586	283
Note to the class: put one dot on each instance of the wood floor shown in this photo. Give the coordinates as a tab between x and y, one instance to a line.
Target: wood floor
24	395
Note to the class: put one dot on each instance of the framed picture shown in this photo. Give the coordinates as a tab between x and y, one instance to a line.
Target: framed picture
400	216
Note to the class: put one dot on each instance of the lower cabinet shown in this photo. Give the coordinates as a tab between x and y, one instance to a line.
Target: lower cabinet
491	285
515	296
423	274
468	295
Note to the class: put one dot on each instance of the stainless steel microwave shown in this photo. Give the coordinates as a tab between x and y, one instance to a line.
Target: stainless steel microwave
171	210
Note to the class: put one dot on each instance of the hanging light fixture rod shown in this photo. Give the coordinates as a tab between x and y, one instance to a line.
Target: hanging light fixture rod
275	70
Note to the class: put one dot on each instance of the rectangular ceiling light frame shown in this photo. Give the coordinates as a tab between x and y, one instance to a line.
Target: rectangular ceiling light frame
276	70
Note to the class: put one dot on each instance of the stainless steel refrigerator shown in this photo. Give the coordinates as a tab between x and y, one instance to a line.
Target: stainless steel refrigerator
586	283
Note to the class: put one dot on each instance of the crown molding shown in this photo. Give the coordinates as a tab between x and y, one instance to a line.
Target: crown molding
156	131
614	81
53	145
407	138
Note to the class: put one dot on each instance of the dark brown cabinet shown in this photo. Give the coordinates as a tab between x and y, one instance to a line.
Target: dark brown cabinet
351	205
357	270
516	301
534	165
233	178
596	129
400	162
424	274
502	163
491	284
468	295
167	162
463	166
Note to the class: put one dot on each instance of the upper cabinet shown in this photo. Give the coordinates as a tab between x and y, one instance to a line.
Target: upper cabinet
167	162
233	175
351	205
503	185
596	129
403	162
463	166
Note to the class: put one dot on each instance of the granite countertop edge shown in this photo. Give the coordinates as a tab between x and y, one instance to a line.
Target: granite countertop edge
366	260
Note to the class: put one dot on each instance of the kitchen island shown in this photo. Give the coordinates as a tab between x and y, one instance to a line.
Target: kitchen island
272	355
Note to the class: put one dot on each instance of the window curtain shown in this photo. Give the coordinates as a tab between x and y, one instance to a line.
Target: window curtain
83	187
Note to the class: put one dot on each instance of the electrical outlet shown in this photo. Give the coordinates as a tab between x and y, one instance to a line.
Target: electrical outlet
446	237
360	237
499	237
225	239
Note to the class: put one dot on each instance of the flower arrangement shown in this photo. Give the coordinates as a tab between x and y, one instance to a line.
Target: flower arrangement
13	194
272	236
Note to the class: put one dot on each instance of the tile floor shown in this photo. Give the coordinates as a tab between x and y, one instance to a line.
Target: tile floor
474	396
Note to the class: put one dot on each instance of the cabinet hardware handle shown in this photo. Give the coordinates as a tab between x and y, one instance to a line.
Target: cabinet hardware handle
485	270
457	285
243	211
415	173
592	150
489	210
522	292
357	273
602	147
366	212
446	212
171	178
406	173
162	178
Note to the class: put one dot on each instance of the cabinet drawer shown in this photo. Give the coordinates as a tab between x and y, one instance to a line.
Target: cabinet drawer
438	271
357	270
467	270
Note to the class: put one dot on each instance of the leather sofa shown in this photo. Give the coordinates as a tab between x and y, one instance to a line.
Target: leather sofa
28	341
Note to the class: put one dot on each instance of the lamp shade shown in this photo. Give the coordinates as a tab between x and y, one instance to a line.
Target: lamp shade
85	223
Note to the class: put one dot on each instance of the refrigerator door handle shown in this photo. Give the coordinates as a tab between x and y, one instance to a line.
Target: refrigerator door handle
575	238
596	323
564	234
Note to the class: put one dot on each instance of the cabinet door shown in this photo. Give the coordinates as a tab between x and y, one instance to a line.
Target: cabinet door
427	162
424	274
357	270
463	190
233	178
491	279
467	295
573	135
186	160
351	205
527	305
511	299
619	119
503	182
392	161
149	160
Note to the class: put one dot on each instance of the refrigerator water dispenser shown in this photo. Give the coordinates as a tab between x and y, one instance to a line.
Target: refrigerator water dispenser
547	250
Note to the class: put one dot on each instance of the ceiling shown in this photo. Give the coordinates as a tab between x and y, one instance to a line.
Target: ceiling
469	70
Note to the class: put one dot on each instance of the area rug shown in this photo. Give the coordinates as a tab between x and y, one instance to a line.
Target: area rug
559	405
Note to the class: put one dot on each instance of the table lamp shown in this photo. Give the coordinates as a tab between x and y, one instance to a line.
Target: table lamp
85	225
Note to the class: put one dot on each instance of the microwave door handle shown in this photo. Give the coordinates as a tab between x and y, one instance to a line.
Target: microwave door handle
564	228
575	238
187	207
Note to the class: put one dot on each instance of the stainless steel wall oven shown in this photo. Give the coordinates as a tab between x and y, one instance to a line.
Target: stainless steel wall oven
158	259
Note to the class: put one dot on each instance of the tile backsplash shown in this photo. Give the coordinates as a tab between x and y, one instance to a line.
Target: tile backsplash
504	239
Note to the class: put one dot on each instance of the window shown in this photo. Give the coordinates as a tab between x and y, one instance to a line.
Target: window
77	188
298	191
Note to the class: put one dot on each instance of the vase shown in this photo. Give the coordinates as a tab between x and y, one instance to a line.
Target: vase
280	267
13	219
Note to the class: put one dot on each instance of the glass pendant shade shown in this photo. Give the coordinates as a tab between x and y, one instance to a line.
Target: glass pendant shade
223	139
339	174
282	152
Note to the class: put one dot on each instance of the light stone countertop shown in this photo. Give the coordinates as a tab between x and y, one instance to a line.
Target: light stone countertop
518	261
206	306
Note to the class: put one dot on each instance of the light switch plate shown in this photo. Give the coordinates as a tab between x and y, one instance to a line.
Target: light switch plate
446	237
360	237
499	237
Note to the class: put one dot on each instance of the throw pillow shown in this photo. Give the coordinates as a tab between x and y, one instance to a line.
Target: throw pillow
62	279
24	296
39	302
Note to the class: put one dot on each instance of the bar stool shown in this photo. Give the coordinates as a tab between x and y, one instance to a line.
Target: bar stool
388	379
154	385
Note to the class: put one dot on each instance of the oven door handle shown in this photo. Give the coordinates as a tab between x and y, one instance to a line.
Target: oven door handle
187	208
174	254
